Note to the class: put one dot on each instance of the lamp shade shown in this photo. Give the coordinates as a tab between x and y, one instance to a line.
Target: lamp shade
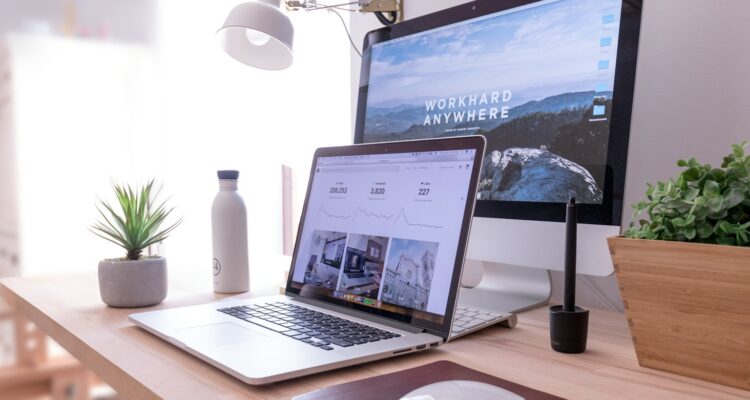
258	34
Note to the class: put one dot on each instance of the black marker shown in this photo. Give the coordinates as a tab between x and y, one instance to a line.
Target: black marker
568	323
571	232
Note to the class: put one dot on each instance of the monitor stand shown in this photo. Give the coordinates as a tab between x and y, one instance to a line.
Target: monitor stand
504	288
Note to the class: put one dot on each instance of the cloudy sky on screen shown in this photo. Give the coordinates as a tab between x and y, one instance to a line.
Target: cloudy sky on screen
549	48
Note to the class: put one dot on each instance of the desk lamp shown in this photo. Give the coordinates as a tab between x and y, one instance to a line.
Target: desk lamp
258	34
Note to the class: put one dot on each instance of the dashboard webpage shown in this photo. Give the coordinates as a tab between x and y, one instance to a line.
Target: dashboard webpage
537	81
383	230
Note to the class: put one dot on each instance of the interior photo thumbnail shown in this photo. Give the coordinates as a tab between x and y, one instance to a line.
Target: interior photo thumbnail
325	257
363	265
409	272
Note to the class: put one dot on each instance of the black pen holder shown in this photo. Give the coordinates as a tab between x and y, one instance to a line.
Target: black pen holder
568	330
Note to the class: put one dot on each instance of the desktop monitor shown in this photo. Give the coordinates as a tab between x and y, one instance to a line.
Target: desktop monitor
549	84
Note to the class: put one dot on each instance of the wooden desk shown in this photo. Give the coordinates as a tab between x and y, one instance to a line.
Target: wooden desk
141	366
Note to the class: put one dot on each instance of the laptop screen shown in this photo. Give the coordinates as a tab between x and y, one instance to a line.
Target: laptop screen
382	231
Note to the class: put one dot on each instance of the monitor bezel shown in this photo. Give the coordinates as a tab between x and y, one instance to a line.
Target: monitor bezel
476	143
609	212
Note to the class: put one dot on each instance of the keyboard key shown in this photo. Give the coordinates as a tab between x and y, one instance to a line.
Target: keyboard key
326	347
266	324
340	342
473	323
318	342
291	333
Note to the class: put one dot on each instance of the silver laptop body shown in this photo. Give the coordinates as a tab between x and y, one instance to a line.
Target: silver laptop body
400	212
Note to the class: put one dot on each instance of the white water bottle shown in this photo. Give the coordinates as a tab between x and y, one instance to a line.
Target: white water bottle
229	234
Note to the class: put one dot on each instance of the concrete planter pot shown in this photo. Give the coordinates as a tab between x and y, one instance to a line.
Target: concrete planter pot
129	284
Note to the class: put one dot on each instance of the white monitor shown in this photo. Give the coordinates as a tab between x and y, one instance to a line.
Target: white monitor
540	244
549	84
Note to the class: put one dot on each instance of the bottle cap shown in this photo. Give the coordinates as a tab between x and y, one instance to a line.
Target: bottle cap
228	174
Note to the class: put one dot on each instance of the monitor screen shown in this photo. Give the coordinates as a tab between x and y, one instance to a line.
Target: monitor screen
383	230
537	80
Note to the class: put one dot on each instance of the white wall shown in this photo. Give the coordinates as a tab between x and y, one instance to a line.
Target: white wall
76	126
691	93
220	114
177	110
130	21
690	98
8	202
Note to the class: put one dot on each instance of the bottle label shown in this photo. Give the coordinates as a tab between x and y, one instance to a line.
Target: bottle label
217	267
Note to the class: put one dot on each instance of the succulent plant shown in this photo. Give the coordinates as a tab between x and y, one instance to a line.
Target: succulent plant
134	225
704	204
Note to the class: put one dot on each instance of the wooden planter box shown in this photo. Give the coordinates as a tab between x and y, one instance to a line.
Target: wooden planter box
688	307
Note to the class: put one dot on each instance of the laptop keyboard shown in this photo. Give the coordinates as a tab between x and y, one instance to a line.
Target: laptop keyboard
308	326
469	319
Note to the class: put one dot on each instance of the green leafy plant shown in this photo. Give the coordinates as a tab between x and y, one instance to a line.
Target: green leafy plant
136	225
704	204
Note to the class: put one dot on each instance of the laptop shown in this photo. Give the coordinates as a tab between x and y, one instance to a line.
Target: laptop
375	271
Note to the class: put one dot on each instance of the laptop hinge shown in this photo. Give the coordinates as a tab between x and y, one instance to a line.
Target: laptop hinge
359	314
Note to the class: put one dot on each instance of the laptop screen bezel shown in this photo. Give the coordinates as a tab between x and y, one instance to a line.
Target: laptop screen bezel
476	143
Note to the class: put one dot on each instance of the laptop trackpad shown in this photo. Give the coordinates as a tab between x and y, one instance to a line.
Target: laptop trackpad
216	334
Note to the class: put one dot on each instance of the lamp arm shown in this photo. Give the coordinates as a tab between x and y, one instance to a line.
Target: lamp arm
312	5
379	7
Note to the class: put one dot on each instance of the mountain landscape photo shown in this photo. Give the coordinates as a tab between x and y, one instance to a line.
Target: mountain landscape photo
536	83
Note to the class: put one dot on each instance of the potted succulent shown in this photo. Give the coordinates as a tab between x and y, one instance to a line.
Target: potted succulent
134	224
684	272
